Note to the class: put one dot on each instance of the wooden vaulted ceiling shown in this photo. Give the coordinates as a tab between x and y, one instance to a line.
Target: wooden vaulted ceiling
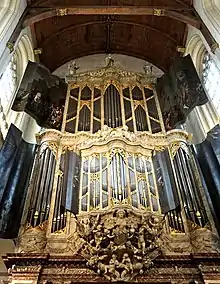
148	29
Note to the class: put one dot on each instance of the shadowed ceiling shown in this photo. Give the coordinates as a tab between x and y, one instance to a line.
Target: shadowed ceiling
87	28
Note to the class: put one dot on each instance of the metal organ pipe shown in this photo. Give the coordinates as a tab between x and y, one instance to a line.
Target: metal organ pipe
38	166
38	197
83	123
201	210
111	111
41	201
41	194
48	188
188	200
112	94
192	202
192	189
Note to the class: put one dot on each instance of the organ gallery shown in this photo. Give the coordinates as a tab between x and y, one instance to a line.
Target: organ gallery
114	190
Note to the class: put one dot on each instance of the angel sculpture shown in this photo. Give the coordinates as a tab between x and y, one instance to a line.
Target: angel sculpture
109	61
72	67
148	69
98	236
85	228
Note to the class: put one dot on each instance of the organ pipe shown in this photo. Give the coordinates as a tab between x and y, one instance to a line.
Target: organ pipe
42	186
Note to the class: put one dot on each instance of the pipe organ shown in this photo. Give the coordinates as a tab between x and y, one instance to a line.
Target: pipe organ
113	186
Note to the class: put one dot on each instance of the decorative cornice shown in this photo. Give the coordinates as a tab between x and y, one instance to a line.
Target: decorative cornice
112	73
84	140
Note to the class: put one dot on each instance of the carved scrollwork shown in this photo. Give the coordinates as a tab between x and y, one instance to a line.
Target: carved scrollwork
83	139
115	74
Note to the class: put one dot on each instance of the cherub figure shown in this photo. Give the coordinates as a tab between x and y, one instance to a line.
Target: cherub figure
154	223
127	265
131	231
113	264
86	226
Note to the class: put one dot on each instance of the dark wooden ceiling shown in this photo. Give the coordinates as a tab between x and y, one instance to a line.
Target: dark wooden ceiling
87	28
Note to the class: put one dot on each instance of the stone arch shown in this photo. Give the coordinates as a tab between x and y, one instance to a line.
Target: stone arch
8	11
197	50
24	52
209	11
203	118
212	11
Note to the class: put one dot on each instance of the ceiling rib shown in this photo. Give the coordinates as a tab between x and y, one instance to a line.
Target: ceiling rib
110	10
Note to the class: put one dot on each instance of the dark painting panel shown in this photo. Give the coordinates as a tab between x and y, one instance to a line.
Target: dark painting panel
42	96
179	92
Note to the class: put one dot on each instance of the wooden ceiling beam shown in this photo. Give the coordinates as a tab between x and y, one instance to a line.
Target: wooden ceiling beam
39	14
182	3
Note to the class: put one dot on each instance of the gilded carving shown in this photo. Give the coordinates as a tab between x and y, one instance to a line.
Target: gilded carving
158	12
62	12
204	241
119	244
32	239
175	146
25	269
111	74
81	140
